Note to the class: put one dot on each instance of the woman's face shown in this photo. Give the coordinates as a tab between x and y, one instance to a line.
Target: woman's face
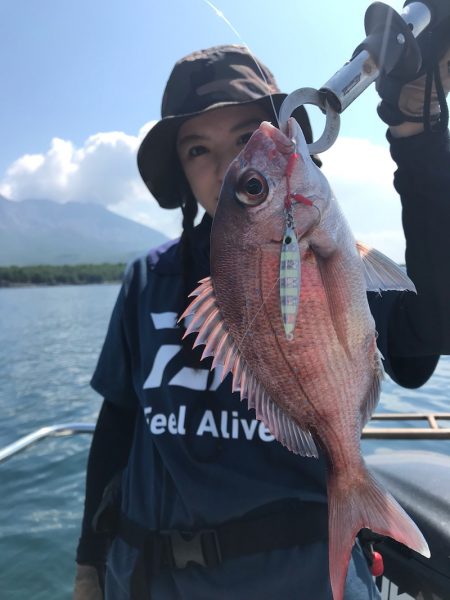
207	144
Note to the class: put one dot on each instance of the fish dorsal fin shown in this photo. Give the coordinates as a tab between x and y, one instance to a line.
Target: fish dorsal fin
381	272
206	321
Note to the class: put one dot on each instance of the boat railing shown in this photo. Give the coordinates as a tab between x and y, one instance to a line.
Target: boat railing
432	429
65	429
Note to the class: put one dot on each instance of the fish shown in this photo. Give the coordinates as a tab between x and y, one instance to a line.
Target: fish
285	311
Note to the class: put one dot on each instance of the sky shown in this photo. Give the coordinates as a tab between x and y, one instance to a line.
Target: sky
82	82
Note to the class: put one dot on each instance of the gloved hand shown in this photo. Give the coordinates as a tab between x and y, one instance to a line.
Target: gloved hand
87	585
411	100
419	101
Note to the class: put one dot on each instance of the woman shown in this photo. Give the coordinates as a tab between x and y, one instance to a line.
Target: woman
193	458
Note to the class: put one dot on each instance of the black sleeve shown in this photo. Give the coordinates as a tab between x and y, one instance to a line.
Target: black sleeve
108	455
416	328
409	371
115	425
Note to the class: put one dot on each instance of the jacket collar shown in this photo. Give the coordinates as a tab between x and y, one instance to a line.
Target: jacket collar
167	259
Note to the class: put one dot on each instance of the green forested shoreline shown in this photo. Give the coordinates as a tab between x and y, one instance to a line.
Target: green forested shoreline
61	274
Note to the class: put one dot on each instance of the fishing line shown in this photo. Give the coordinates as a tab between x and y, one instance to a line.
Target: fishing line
221	15
385	38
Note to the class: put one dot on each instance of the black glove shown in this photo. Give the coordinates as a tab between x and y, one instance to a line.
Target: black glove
422	100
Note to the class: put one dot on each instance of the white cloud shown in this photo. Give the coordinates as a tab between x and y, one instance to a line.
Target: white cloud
104	171
361	175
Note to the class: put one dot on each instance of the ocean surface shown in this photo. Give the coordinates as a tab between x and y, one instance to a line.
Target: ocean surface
50	338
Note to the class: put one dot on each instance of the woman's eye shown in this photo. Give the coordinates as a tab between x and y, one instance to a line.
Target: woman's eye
243	139
196	151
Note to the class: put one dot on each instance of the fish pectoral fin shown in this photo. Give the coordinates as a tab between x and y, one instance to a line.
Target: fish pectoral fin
206	321
336	299
381	272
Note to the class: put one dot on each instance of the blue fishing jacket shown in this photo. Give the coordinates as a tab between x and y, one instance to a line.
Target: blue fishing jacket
199	457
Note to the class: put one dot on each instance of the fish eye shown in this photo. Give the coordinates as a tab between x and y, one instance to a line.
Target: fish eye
252	188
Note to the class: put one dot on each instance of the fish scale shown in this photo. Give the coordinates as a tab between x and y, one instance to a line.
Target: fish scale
308	352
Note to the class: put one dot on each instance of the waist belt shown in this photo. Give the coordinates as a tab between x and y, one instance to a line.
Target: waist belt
280	525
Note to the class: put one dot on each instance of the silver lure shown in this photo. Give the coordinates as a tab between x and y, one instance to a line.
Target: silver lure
290	278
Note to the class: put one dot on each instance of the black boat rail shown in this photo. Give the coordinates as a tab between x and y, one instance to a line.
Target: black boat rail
431	430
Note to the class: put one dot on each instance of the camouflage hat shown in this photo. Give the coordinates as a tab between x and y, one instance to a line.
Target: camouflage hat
203	81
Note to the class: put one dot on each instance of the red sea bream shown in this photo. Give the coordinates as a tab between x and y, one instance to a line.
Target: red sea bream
285	310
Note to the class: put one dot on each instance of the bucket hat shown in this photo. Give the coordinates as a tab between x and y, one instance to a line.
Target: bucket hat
202	81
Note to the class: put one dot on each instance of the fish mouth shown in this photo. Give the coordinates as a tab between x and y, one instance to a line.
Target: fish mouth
283	144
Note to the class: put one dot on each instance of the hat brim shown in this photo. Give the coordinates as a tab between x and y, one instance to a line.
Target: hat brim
157	157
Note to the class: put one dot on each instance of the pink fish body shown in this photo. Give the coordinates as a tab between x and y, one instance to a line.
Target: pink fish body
313	376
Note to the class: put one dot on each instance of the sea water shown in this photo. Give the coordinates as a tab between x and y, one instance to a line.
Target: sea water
50	338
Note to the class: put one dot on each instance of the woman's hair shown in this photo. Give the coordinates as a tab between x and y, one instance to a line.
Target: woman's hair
189	208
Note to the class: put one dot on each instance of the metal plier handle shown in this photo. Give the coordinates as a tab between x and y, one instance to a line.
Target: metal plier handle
390	48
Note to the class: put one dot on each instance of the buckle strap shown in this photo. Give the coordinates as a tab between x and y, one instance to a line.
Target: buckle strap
201	547
300	523
296	524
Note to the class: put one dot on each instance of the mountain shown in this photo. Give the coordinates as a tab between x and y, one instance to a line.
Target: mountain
45	232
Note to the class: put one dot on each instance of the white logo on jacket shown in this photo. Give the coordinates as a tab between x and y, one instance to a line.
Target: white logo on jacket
226	425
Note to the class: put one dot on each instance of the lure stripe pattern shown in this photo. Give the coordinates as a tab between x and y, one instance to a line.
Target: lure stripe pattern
290	274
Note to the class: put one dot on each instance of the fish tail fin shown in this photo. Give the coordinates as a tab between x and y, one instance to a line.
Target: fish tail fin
366	504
